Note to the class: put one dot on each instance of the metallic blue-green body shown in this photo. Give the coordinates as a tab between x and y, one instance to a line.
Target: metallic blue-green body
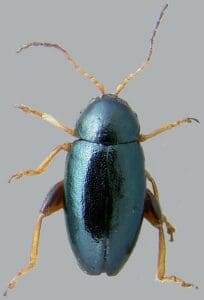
105	186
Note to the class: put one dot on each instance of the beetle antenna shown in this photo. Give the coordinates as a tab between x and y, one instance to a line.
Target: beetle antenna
122	85
97	83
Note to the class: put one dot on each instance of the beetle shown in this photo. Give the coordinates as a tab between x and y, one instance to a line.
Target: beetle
104	193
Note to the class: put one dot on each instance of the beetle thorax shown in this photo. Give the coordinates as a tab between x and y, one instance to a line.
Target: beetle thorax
108	120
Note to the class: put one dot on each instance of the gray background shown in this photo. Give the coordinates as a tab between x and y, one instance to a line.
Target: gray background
110	39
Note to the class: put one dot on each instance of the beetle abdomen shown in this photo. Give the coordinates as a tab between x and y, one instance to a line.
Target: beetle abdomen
105	192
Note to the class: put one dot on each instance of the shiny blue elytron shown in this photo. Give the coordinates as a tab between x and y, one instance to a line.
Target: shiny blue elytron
105	186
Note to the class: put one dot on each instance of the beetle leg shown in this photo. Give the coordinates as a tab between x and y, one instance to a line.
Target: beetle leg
46	117
52	203
43	166
170	228
154	215
161	267
152	212
144	137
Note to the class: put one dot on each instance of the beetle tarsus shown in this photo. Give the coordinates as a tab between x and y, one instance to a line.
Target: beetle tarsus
24	173
194	119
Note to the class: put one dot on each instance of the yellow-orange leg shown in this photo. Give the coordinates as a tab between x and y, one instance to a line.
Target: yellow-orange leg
144	137
46	117
154	215
170	228
161	267
43	166
53	202
33	255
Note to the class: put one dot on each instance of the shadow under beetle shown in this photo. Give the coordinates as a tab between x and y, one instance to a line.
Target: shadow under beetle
104	192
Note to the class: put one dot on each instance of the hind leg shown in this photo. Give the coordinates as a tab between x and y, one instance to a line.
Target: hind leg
154	215
170	228
53	202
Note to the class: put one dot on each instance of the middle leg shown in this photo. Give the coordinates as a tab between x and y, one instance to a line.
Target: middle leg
43	166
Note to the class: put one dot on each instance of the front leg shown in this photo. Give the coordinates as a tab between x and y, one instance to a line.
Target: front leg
46	117
53	202
43	166
145	137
